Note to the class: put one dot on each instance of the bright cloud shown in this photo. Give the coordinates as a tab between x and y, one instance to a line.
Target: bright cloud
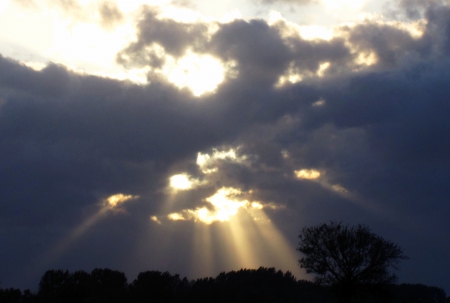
222	206
183	182
339	188
208	162
200	73
307	174
115	200
180	181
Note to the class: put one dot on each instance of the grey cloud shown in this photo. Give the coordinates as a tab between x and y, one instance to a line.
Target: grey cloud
388	43
415	9
174	37
258	49
110	14
438	29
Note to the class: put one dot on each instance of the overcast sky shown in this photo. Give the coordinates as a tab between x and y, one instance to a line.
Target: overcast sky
199	136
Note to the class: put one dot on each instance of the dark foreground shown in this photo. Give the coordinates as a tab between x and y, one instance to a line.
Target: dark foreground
246	286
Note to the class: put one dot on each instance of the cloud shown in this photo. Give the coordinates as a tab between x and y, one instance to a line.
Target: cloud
415	8
110	14
173	36
223	206
114	201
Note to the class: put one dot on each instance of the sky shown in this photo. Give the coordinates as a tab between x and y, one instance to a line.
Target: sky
197	136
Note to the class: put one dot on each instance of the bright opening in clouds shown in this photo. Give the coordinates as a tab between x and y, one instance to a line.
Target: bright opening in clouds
199	73
307	174
208	162
180	181
117	199
223	205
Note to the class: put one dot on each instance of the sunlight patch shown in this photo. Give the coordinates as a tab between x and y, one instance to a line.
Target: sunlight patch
292	79
367	59
415	29
322	68
307	32
115	200
183	182
176	216
37	66
155	219
307	174
319	103
339	188
313	32
208	162
222	206
293	75
180	181
200	73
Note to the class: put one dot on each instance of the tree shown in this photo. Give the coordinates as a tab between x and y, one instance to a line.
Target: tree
350	260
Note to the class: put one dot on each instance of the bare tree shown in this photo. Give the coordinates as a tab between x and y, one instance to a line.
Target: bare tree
351	260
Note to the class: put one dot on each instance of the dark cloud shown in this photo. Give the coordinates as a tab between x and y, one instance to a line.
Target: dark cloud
414	9
257	48
378	135
389	44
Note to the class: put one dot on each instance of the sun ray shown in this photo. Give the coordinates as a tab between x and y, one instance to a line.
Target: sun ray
241	237
202	259
110	204
278	251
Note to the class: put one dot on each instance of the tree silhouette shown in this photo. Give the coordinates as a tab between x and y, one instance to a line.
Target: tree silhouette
351	260
56	286
156	286
101	285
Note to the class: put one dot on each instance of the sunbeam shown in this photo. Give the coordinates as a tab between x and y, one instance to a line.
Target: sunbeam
110	204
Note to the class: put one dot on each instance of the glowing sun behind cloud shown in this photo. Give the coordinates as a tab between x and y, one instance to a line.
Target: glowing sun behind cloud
183	182
200	73
223	205
180	181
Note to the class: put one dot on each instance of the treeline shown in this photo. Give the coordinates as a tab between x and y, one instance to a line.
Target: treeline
242	286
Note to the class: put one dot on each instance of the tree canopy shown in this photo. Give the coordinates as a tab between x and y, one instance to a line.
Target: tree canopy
352	260
262	285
